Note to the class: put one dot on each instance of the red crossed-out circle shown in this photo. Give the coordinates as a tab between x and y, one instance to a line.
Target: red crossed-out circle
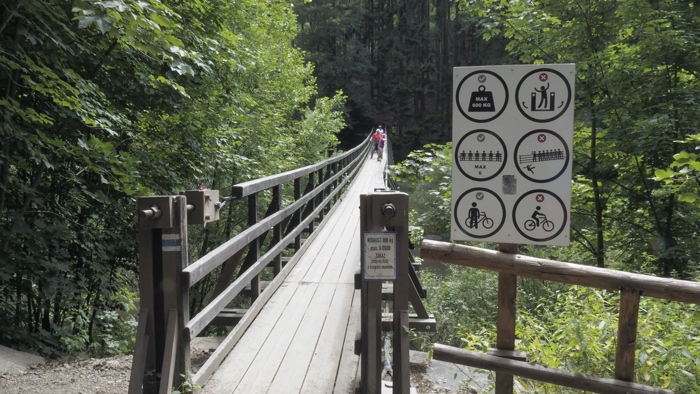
544	77
541	138
539	198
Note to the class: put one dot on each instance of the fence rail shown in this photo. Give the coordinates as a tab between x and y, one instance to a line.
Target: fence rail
510	265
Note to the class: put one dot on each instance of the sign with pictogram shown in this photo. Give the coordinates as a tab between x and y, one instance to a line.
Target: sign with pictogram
512	153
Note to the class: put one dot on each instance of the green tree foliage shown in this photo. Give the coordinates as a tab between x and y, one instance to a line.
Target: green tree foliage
636	94
105	101
427	176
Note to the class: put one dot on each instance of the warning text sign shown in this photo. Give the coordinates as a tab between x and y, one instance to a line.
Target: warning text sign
379	256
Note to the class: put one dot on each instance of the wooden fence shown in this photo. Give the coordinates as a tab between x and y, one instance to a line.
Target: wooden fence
507	362
165	330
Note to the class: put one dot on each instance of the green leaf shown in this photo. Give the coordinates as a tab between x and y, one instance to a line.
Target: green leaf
663	174
688	197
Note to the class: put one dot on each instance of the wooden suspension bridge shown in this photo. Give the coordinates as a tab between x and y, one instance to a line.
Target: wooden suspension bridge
316	327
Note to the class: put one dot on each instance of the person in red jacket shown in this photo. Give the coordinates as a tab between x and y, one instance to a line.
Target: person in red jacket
376	137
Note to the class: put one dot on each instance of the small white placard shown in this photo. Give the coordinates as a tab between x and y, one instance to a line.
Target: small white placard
379	256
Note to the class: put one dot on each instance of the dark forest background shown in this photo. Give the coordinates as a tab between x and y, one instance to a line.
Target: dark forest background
394	60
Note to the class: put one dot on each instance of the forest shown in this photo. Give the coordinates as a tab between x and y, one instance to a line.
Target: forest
106	101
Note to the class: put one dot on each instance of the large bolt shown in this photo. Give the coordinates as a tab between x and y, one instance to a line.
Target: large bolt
389	210
151	213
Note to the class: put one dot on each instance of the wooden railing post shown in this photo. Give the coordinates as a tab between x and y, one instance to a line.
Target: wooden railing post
505	326
164	298
312	202
385	257
627	334
297	215
277	230
175	292
322	193
254	248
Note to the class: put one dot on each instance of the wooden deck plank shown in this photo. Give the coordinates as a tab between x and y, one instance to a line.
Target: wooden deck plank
317	248
352	260
290	375
349	362
269	356
334	253
320	377
335	244
344	255
245	350
306	320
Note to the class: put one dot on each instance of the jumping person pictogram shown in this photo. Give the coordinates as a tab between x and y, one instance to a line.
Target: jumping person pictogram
543	95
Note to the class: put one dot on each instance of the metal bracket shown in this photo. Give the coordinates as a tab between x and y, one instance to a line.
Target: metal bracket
389	208
155	211
205	206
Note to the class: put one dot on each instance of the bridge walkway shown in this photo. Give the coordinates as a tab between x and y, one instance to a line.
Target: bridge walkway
303	339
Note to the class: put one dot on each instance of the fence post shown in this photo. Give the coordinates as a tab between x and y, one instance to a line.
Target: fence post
627	334
505	326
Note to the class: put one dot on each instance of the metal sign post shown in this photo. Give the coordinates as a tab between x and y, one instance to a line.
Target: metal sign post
384	227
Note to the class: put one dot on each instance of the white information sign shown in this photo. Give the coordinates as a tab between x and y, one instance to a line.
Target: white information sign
379	256
512	136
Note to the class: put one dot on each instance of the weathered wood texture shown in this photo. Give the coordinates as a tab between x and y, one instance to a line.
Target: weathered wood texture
505	334
550	375
627	334
302	340
577	274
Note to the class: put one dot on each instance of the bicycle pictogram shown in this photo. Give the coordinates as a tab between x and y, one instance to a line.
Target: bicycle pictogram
546	224
473	222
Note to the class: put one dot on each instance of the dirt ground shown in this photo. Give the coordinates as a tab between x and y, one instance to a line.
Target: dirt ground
88	376
111	376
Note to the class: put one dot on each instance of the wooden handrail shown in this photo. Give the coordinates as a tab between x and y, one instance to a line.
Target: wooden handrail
244	189
631	287
575	274
207	263
544	374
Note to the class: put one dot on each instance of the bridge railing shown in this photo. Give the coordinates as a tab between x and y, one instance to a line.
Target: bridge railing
162	355
508	362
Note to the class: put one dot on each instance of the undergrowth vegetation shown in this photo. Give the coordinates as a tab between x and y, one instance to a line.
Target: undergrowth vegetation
558	325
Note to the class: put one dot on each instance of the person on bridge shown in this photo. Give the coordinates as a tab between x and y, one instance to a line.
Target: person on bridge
380	147
375	140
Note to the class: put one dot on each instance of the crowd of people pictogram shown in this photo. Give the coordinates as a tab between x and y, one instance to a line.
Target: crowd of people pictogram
483	156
